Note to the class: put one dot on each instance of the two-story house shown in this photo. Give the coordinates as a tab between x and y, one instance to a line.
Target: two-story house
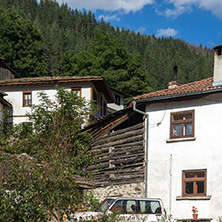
23	92
184	145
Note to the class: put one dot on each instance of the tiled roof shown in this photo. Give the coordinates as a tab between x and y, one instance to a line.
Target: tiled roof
198	86
98	81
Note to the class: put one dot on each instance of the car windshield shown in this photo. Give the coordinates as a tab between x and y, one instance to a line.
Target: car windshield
104	205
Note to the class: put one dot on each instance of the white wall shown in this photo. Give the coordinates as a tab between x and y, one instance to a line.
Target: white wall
205	152
15	97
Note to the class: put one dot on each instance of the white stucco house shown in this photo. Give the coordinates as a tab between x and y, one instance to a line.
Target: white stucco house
23	92
184	156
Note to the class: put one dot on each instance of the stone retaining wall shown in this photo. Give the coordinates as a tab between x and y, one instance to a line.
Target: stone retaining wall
125	190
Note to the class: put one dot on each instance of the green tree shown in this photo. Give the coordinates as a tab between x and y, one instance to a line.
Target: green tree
39	161
64	29
21	45
107	57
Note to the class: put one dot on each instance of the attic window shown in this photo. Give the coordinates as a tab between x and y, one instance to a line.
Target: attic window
182	124
27	98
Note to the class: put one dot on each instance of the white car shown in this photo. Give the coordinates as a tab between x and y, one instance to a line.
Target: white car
147	209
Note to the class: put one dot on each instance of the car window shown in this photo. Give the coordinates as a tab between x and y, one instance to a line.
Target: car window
125	206
131	206
105	205
149	207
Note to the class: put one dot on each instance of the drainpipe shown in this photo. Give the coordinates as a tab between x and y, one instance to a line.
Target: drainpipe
147	130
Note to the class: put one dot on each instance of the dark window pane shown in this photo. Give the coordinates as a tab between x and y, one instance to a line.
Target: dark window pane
194	174
119	207
187	129
200	174
187	116
189	175
117	98
177	130
149	207
200	187
177	117
189	188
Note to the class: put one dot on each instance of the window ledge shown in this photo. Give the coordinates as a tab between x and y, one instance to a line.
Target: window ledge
181	139
193	198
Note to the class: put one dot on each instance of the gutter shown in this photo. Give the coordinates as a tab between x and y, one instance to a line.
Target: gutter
146	148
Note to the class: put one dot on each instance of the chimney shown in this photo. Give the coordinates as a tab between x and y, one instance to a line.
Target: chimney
175	82
217	65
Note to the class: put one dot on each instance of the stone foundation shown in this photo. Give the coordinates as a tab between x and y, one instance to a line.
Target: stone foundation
124	190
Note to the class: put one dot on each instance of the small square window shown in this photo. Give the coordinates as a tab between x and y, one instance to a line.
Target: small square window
194	183
27	98
182	124
77	90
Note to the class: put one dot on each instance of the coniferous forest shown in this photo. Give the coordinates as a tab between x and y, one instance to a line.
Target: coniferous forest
48	39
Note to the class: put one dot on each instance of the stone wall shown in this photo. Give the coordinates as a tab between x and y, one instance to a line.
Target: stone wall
124	190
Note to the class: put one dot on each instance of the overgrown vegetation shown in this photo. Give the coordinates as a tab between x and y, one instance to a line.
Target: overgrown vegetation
39	160
149	60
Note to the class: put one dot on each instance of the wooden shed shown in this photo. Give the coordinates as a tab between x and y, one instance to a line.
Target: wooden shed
120	151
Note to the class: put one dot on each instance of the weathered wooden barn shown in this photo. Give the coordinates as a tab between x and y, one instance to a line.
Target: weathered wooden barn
120	151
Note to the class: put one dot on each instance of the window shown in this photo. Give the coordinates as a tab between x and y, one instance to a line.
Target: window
94	95
129	206
27	98
149	207
117	99
194	183
125	206
77	90
182	124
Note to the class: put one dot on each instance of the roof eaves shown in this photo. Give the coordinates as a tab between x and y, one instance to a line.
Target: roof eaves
174	96
52	80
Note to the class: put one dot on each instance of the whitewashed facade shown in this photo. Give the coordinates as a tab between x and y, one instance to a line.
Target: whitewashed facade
23	92
184	166
169	157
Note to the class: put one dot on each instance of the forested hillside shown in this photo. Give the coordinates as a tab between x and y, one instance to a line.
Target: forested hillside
44	38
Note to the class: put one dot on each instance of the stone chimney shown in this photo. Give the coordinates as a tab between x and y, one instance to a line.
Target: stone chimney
175	82
217	66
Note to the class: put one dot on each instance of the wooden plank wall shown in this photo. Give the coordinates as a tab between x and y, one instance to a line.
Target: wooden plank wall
120	157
